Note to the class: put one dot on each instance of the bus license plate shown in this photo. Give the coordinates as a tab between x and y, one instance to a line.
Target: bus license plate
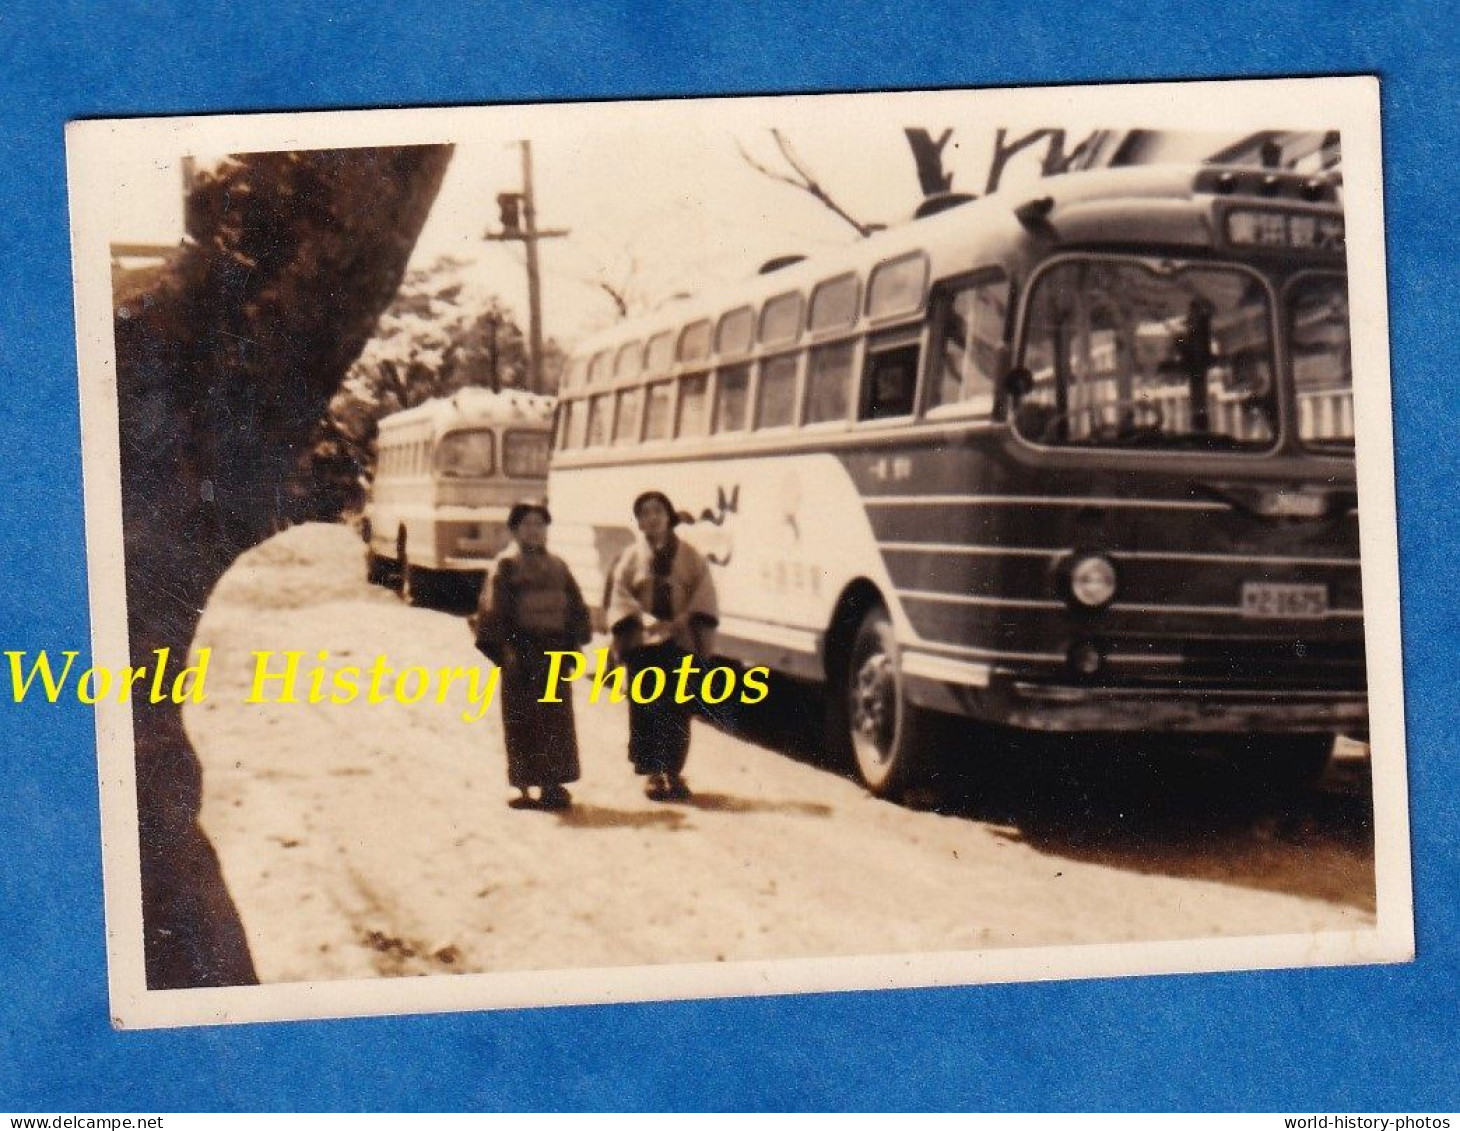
1269	601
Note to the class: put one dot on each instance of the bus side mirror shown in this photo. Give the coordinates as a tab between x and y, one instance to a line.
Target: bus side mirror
1017	383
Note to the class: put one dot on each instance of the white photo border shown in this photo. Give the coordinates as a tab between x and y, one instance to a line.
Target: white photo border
1349	105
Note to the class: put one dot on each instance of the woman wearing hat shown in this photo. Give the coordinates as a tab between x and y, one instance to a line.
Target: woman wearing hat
531	605
661	607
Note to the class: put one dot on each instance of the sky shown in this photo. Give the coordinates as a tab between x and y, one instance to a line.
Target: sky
657	197
654	217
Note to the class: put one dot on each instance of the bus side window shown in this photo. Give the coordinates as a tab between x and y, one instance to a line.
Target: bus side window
890	376
598	367
600	411
659	354
629	360
828	382
731	391
971	348
565	412
577	423
780	319
656	411
776	396
694	341
834	303
626	421
694	406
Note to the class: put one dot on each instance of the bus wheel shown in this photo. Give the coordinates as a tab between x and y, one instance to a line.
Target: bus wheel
378	570
884	727
417	585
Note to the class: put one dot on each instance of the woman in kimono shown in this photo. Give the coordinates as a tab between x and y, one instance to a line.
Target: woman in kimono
661	607
531	605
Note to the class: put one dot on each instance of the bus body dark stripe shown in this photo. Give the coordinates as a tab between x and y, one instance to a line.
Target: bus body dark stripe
1144	583
995	551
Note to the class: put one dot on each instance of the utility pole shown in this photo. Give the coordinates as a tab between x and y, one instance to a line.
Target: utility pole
519	224
492	354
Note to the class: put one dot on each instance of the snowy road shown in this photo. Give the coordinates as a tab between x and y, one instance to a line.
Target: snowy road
369	839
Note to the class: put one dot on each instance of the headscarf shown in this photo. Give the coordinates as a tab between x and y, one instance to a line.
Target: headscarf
661	561
522	509
663	500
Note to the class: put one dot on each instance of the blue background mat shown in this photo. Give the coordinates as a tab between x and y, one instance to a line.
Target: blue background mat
1327	1040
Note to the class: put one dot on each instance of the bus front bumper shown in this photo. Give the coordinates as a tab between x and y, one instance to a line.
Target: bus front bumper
1073	708
1034	706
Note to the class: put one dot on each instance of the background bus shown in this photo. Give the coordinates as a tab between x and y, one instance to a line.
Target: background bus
1078	462
447	472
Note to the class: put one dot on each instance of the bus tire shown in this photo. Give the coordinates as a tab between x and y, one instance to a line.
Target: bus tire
417	585
883	727
378	570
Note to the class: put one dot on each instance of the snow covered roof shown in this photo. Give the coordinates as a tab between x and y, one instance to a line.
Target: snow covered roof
475	407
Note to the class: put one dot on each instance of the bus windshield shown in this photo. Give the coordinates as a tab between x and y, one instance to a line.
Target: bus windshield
1126	353
467	454
1318	339
525	454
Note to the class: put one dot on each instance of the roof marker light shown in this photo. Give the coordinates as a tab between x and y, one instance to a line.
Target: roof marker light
1033	213
941	202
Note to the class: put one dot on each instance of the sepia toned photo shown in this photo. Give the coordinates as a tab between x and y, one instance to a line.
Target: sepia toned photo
605	552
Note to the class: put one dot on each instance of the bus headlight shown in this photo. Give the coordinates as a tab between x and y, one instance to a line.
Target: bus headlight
1092	581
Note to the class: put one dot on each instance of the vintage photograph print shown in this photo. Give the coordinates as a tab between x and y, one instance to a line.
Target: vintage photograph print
604	552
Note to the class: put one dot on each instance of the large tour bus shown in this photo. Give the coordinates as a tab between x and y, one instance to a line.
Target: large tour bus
1076	460
447	471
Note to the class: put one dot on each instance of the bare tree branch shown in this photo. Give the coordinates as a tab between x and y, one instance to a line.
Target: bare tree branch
1057	161
1004	150
804	180
766	172
616	294
626	298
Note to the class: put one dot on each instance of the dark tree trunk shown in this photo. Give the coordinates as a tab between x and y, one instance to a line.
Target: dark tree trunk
223	371
928	157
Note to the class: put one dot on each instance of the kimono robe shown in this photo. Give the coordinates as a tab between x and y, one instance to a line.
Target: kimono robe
531	605
672	585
